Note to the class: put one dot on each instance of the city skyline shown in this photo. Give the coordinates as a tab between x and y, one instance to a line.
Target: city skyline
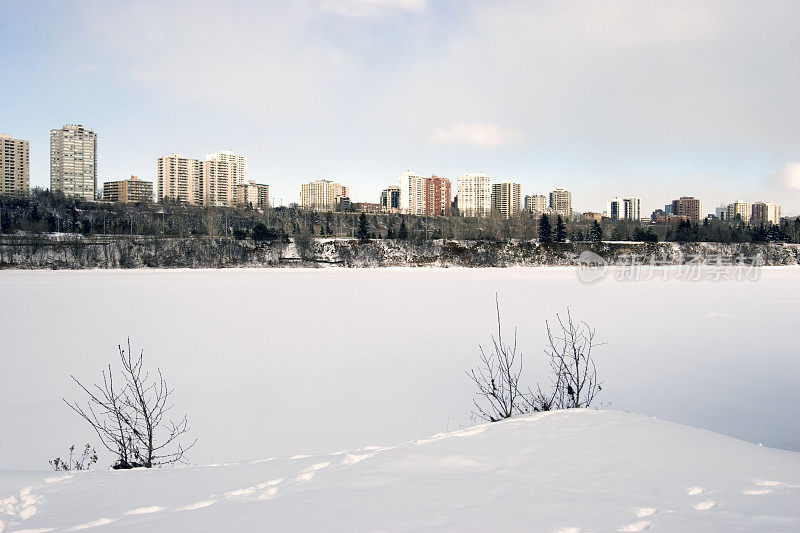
715	117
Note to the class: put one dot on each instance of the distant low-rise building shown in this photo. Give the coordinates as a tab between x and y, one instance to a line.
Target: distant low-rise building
128	191
323	195
256	195
14	167
367	207
536	203
591	217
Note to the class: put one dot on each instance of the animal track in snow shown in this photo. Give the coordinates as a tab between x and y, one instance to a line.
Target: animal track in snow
705	505
694	491
21	505
198	505
757	492
94	523
305	476
319	466
145	510
267	494
241	492
637	526
768	483
58	479
644	512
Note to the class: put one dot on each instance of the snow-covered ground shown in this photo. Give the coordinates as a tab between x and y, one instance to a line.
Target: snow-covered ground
569	471
280	362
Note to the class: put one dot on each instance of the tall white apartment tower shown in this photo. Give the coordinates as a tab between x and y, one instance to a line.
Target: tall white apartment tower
561	202
474	195
14	166
222	174
506	198
73	161
628	208
412	193
536	203
179	179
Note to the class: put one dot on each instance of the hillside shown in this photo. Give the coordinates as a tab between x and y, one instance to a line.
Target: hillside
577	470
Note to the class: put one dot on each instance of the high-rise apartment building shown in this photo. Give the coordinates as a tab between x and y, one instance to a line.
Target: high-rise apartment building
390	199
688	206
256	195
73	161
506	198
179	179
536	203
738	209
628	208
322	195
438	196
561	202
474	195
221	175
412	193
128	191
765	213
14	166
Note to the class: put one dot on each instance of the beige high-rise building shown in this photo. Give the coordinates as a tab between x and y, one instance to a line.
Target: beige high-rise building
765	213
506	198
740	209
14	166
73	161
474	195
256	195
128	191
220	177
322	195
536	203
413	193
179	179
561	202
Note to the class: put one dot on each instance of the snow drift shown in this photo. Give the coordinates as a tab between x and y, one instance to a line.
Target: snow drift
577	470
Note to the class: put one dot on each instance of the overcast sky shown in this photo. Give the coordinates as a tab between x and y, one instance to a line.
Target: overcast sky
652	99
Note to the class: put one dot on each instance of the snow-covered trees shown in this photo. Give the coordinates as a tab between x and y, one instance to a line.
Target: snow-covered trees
129	417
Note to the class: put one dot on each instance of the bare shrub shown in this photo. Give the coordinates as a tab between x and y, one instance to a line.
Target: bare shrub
130	417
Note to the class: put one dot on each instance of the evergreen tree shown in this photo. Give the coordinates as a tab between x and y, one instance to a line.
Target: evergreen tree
402	233
596	232
363	230
545	231
561	230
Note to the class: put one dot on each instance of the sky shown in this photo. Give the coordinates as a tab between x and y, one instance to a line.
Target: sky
656	99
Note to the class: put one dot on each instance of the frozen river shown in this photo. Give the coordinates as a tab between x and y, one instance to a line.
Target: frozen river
280	362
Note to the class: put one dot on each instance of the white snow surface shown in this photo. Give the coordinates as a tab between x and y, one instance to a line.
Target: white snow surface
576	470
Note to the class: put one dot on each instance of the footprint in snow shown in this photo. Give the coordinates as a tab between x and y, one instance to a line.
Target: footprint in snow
757	492
768	483
705	505
21	505
694	491
144	510
94	523
644	512
637	526
198	505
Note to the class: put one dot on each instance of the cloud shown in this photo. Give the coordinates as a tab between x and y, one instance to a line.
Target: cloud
372	8
475	134
789	177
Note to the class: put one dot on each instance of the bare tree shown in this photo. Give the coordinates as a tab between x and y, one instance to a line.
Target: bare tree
497	379
130	421
569	350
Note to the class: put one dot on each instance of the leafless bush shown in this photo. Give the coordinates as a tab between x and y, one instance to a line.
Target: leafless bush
497	379
74	462
573	379
129	418
569	351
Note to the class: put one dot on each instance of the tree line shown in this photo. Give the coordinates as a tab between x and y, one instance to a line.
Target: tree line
48	212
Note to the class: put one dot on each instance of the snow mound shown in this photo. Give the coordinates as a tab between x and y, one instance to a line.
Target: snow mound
577	470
